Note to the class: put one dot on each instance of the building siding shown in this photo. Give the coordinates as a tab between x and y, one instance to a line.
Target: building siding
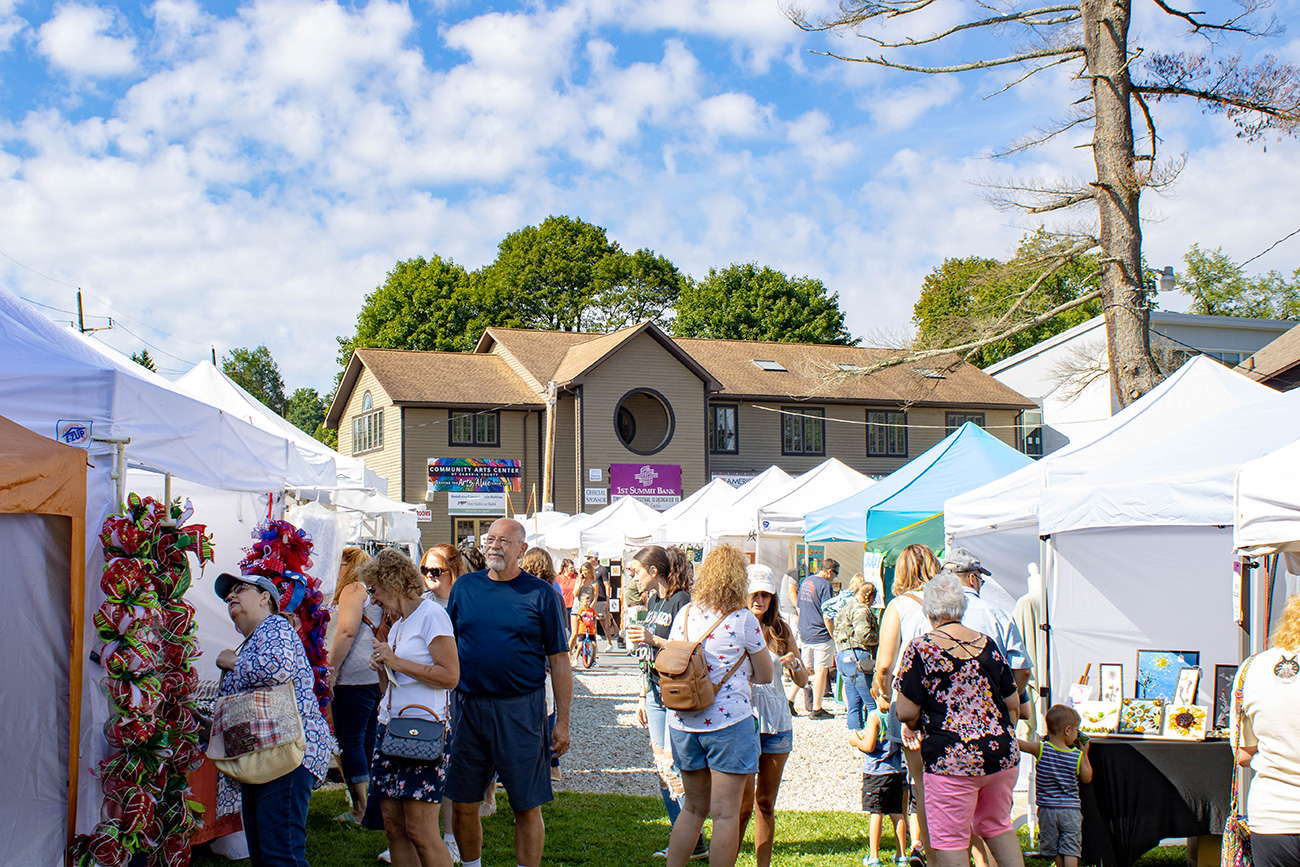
426	432
643	363
759	437
386	461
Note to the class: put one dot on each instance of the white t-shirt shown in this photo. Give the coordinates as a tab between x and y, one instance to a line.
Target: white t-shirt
410	638
1271	709
738	634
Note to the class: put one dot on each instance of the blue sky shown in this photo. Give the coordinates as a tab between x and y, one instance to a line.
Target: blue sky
231	173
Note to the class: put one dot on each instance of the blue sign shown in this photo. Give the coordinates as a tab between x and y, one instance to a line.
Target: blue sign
73	432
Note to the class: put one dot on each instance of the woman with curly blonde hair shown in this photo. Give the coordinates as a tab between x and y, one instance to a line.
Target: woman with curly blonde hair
717	748
356	686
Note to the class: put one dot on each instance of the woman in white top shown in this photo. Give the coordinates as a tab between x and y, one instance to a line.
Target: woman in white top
775	722
420	665
1270	743
717	748
903	621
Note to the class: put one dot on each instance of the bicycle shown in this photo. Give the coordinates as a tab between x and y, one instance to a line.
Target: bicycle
587	650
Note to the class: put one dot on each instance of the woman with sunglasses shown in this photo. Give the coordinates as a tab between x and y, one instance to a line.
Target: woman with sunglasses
441	566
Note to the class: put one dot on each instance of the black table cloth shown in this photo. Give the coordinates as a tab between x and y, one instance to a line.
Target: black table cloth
1143	791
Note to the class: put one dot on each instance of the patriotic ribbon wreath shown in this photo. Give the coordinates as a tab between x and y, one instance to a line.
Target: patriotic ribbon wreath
148	646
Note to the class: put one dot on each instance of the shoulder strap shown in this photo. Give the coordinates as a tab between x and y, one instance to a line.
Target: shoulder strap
686	626
1236	734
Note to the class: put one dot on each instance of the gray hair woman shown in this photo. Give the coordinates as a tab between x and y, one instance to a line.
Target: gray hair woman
955	687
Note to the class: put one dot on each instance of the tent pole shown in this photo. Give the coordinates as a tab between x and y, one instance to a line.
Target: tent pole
78	614
119	466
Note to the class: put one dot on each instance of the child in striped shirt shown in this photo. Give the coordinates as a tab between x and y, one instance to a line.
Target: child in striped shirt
1062	765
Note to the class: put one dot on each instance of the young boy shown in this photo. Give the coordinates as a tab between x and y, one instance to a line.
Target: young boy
1062	765
586	620
882	785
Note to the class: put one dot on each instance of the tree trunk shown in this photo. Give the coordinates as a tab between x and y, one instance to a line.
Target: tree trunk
1133	372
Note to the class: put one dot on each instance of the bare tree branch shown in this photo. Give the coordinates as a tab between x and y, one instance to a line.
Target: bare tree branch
1022	17
1230	26
1072	51
1151	126
1026	143
1034	71
1059	262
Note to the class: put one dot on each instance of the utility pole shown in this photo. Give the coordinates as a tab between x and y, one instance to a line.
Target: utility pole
81	319
214	356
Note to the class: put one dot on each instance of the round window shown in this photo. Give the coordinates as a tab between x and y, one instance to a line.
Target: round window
644	421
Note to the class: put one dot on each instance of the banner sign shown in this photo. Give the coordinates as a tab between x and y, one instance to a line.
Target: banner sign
659	486
735	479
595	496
475	474
488	505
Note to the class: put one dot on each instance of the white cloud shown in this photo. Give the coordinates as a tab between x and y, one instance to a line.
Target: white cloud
733	114
87	40
897	108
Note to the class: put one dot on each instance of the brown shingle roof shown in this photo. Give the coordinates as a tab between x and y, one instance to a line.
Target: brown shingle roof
1283	353
447	378
814	372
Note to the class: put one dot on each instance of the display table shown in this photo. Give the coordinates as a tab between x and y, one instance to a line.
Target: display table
1144	791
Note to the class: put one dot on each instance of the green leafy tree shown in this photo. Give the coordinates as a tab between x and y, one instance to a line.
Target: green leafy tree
975	295
746	302
305	410
635	288
329	436
1220	287
144	359
257	373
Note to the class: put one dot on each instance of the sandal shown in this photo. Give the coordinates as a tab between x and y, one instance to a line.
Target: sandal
870	862
347	818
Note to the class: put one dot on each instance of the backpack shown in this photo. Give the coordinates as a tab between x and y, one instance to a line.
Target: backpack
684	683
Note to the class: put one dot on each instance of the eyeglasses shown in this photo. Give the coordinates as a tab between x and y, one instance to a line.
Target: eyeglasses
489	541
432	571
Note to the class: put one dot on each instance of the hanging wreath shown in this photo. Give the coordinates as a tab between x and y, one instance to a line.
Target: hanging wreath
282	552
148	649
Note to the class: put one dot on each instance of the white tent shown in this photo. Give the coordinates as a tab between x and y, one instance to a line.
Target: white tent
740	516
625	523
1000	520
538	523
683	524
49	376
1268	503
1140	551
311	457
828	482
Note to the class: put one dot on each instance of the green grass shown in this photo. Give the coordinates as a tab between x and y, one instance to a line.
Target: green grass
617	831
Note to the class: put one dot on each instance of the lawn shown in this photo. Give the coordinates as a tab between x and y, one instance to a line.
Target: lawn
615	831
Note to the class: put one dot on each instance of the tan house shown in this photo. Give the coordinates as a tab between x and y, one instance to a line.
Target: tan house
636	411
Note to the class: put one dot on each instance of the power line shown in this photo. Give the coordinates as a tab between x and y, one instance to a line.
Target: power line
34	271
151	346
141	322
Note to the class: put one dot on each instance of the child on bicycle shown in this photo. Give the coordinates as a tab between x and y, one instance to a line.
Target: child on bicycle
586	624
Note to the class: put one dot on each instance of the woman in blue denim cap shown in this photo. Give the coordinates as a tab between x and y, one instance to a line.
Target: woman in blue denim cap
775	722
717	748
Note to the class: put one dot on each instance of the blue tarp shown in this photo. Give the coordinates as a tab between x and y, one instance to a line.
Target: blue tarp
962	461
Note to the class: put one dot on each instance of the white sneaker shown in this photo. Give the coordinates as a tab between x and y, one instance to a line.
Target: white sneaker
454	850
385	857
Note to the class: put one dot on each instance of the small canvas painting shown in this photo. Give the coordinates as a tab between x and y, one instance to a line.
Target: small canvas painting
1140	716
1158	670
1224	675
1186	722
1112	682
1098	717
1185	691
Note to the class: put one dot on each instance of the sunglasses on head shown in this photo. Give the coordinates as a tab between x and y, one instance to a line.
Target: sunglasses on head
431	571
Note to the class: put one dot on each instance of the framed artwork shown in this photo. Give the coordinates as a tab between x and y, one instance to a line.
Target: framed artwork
1185	690
1098	717
1224	675
1157	672
1141	716
1112	682
1186	722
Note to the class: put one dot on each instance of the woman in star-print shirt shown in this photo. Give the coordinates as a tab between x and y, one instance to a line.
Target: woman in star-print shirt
717	748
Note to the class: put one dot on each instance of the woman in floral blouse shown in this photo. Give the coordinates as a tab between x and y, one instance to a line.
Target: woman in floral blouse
957	690
274	813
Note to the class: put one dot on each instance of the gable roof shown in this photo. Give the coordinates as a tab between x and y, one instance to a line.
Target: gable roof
823	372
1275	358
418	378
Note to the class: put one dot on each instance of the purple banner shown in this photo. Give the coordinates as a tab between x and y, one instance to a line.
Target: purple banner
659	486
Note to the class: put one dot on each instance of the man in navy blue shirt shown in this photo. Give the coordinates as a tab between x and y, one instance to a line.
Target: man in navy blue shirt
815	641
508	624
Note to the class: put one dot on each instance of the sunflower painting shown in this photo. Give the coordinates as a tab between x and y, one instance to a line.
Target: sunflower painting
1186	722
1157	671
1139	716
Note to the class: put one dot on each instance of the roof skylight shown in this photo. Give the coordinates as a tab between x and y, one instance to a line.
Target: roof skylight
768	364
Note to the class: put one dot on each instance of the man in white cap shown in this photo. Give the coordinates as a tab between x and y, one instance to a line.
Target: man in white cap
602	591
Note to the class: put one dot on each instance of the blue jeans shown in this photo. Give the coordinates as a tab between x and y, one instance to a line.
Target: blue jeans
275	819
857	688
656	716
355	719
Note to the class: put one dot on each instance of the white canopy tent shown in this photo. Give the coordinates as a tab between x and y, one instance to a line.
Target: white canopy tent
538	523
1267	530
683	524
624	524
49	375
740	516
999	520
828	482
1140	551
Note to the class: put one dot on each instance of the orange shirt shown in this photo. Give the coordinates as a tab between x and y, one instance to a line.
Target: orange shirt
587	621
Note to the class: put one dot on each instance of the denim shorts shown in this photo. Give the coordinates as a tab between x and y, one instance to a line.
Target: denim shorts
781	742
733	750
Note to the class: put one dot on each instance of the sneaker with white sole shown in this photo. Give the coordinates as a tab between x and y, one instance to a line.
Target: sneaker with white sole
386	857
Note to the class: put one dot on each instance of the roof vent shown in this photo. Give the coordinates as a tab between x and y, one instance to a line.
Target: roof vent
768	364
849	368
930	372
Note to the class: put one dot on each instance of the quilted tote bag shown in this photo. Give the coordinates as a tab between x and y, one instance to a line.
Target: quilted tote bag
257	736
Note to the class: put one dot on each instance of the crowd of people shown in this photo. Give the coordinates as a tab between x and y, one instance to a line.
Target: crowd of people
478	651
